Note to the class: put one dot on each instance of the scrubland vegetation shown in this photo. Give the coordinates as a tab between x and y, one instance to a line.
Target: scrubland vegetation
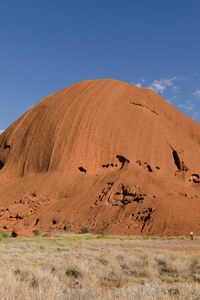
84	266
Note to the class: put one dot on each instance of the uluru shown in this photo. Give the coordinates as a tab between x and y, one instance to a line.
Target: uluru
104	155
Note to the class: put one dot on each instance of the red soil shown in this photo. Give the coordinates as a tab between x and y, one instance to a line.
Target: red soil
101	154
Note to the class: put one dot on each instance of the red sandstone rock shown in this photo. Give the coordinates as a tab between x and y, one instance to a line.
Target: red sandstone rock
101	154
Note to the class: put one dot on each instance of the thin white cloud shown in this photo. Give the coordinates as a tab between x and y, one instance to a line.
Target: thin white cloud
175	88
197	93
161	85
1	130
140	83
187	106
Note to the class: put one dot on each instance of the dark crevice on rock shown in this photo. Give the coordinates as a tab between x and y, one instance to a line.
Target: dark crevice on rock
196	175
195	178
14	234
146	218
120	195
104	193
6	146
143	217
1	164
18	217
111	165
145	165
144	106
149	169
179	164
176	159
34	194
123	160
81	169
130	197
36	222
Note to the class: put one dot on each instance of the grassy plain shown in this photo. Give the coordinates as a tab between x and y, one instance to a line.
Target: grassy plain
84	266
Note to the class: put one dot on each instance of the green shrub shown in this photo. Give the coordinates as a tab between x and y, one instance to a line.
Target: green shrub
4	234
37	232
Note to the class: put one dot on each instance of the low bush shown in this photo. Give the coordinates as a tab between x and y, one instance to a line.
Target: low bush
4	234
85	230
73	272
38	232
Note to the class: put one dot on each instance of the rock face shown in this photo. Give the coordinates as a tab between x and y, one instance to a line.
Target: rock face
101	154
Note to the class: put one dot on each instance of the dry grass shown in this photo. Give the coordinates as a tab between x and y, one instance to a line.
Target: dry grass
91	267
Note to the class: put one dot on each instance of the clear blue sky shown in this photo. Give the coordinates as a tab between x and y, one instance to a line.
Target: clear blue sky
46	45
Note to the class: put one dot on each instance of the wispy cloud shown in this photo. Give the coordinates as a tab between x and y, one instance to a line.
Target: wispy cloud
139	83
197	93
161	85
190	108
188	105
